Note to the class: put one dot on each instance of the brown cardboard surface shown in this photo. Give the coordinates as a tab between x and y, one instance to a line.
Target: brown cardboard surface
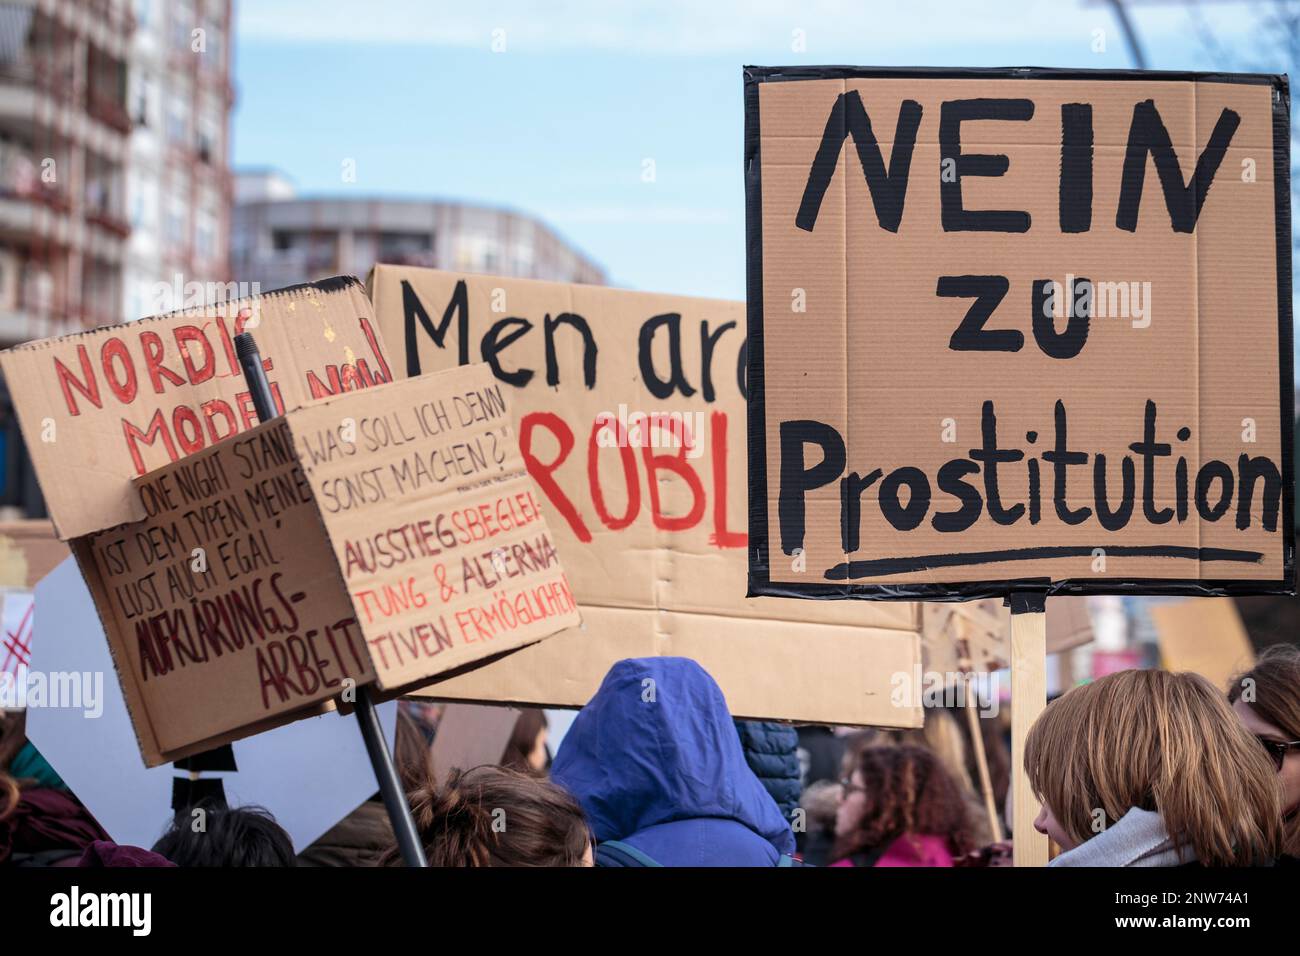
988	632
469	736
198	664
28	551
99	408
254	588
652	533
867	359
1205	637
434	522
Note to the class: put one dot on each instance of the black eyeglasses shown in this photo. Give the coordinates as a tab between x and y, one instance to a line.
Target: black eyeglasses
1277	749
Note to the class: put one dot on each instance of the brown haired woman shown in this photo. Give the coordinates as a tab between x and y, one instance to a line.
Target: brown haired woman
899	807
1149	768
526	750
491	816
1267	699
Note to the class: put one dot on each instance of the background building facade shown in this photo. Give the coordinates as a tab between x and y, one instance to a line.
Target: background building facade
279	239
179	188
64	145
114	171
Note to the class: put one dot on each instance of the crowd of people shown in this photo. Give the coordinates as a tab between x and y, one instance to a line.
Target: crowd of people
1138	768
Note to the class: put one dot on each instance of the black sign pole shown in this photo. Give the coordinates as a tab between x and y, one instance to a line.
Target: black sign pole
390	787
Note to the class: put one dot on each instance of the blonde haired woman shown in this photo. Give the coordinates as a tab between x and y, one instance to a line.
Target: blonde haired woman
1149	768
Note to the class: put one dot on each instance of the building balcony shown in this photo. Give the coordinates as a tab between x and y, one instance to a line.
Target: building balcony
20	325
24	107
110	221
24	220
19	181
27	222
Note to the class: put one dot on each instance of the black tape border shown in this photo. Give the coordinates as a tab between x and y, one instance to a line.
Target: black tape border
760	584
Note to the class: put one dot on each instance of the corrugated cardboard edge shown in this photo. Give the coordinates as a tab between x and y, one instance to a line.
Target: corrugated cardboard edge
759	583
16	373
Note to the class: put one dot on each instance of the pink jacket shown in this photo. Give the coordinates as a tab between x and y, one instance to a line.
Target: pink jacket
913	850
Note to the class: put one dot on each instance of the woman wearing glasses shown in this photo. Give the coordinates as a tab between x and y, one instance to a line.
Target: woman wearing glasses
899	807
1267	699
1149	768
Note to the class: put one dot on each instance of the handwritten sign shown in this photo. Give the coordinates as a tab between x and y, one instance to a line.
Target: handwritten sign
382	536
1018	329
631	423
434	523
100	408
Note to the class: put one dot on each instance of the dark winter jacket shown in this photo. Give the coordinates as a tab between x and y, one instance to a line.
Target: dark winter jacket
102	853
359	839
772	752
45	827
820	754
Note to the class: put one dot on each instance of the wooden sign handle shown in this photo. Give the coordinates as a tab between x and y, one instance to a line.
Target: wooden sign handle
973	724
1028	700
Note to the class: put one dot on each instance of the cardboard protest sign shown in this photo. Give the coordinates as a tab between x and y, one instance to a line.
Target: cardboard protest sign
16	613
382	536
29	550
631	411
309	774
1205	637
1018	329
470	735
99	408
987	629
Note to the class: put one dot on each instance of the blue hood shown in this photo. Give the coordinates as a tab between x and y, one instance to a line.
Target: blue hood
645	755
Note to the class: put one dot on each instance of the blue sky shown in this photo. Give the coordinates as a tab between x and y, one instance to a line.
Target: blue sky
560	123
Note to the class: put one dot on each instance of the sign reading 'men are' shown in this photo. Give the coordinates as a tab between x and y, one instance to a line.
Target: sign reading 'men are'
1018	329
631	413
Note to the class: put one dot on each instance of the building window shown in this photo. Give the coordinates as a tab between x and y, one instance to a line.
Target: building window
140	101
205	237
182	24
175	228
213	40
177	120
206	139
410	247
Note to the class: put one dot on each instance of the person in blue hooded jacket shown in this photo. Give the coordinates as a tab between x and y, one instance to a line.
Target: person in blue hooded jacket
656	763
